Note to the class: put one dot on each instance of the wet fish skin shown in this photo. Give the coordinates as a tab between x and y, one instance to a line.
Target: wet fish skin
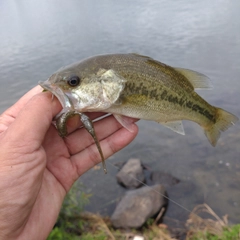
140	87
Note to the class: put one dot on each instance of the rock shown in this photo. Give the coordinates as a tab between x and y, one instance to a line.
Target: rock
131	175
138	205
166	179
183	189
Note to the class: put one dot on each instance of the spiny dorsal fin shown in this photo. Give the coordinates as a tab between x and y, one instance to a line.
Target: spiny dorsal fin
198	80
139	55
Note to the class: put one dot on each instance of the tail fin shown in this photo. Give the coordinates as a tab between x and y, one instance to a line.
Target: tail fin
223	122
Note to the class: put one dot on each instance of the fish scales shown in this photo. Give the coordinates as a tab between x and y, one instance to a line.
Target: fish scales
158	95
145	77
134	67
136	86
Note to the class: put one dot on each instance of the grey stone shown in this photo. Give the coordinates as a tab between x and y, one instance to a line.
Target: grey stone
131	175
138	205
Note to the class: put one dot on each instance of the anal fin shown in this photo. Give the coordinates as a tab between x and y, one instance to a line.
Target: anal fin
175	126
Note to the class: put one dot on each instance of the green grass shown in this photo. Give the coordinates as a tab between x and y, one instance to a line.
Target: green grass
69	225
61	234
229	233
74	224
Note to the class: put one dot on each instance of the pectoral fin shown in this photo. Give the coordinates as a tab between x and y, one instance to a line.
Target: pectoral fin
176	126
124	121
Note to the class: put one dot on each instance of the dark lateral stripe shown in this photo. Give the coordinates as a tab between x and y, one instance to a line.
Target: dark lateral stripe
189	104
183	102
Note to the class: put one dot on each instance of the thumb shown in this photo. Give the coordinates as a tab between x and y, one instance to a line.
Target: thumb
34	120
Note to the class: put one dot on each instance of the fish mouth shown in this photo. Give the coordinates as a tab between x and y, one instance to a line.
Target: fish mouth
58	93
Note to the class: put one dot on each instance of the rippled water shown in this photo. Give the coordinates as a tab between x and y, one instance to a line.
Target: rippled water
38	37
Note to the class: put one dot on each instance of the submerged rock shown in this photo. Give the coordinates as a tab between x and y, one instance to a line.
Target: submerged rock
138	205
166	179
131	175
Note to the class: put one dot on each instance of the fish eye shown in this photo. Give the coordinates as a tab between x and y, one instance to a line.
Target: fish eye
73	81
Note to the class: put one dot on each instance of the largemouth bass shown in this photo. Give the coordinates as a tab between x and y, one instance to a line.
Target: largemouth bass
135	86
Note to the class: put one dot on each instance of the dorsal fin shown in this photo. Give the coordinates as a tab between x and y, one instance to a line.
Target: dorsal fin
139	55
198	80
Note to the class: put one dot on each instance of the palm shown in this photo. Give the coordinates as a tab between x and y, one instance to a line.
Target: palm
44	165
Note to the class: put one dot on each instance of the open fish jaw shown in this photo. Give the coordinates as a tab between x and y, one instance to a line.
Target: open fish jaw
56	91
68	112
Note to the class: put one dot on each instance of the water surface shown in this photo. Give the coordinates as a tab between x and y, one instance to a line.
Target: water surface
38	37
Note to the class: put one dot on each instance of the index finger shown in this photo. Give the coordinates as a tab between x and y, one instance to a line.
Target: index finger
33	121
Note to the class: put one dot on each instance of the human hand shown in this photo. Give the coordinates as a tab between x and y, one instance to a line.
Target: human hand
38	167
